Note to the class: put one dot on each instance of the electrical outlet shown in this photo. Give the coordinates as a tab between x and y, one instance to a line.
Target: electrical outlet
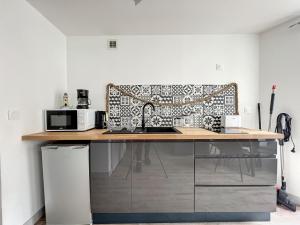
13	114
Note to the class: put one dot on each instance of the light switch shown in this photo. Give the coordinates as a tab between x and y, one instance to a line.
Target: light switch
13	114
248	110
219	67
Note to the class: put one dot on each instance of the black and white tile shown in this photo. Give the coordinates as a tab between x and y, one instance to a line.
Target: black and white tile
125	111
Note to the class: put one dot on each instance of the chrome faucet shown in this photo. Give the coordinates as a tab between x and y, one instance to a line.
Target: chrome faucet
143	113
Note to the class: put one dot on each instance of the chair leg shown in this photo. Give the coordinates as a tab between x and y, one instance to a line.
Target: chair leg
252	167
247	165
217	164
128	172
241	172
131	161
161	163
147	159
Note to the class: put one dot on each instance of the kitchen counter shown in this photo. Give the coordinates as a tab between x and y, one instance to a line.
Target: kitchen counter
179	177
186	134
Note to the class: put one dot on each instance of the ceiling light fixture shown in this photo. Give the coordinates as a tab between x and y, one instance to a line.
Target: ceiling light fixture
137	1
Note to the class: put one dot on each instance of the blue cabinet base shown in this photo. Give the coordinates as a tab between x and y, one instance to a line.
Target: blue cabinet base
107	218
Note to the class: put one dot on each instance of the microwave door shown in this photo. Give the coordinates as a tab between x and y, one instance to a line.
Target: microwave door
61	120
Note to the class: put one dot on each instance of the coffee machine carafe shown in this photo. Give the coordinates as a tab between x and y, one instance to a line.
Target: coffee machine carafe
83	100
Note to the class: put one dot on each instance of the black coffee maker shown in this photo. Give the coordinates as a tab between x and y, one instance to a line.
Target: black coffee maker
83	100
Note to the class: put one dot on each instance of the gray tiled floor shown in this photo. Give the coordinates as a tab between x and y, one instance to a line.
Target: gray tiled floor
281	217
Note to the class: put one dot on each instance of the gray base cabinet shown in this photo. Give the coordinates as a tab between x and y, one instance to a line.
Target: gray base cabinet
142	177
183	177
110	177
163	177
235	176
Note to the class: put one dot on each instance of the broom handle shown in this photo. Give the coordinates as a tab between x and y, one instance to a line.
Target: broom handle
272	106
259	116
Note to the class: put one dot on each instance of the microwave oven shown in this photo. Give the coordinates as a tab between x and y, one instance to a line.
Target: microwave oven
69	119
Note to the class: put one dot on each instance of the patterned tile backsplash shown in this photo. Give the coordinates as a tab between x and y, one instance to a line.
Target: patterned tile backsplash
125	111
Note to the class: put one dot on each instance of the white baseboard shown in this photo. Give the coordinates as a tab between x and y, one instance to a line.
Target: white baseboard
35	218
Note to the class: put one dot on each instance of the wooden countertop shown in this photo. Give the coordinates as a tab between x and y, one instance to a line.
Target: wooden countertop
187	134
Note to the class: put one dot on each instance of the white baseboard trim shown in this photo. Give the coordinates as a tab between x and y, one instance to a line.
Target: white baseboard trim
295	198
35	218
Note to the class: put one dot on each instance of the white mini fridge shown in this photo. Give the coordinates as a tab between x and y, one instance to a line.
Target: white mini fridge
66	184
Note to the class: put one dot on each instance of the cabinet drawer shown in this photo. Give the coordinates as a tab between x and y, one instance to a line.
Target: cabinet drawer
235	199
240	148
235	171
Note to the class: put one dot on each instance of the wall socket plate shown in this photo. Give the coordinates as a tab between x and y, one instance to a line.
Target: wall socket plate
13	114
248	110
219	67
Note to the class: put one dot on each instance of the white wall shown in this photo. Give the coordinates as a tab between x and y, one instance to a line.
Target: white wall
33	76
165	60
280	64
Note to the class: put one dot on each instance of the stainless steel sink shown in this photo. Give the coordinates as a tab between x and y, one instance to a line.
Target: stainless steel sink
147	130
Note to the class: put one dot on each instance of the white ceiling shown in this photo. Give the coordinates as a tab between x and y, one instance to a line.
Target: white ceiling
108	17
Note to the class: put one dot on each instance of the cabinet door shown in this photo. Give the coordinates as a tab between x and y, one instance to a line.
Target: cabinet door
163	177
110	177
